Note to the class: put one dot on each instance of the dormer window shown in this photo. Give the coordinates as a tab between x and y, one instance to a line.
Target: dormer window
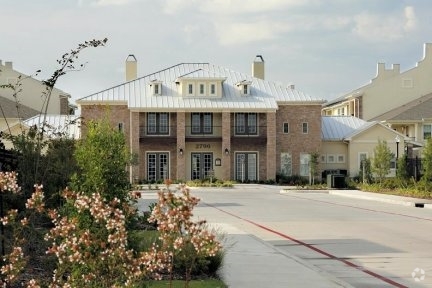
244	87
212	89
202	90
190	89
156	87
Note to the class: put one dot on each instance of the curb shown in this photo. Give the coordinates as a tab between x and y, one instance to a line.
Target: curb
391	199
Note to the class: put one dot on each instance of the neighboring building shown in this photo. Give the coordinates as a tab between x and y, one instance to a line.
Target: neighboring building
414	120
55	126
12	113
30	100
196	120
347	140
389	90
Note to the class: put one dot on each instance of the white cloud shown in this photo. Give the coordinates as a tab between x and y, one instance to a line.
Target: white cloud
242	33
104	2
375	27
411	19
251	6
229	7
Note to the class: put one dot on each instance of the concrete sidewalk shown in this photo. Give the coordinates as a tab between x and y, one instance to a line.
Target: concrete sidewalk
248	258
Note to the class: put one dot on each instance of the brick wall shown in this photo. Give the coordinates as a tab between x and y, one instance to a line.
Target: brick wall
295	142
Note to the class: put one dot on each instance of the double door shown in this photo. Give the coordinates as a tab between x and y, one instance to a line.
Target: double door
202	165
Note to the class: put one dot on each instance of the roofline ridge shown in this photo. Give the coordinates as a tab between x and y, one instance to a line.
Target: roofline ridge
142	77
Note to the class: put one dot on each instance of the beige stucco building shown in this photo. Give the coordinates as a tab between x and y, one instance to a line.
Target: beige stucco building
29	100
400	100
347	140
390	89
197	120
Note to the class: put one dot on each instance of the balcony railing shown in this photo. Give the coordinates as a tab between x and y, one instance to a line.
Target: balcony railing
203	131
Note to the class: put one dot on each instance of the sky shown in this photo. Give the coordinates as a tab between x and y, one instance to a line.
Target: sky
326	48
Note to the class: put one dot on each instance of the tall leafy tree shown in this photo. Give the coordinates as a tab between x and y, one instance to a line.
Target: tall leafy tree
102	158
402	170
427	163
381	161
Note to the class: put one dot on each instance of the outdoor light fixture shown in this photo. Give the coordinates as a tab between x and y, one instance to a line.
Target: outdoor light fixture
181	151
226	151
397	139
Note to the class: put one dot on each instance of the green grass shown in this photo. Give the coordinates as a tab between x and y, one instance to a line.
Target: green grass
208	283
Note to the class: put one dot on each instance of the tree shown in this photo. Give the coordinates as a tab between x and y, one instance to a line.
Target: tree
427	163
30	144
402	170
314	165
365	173
102	158
381	162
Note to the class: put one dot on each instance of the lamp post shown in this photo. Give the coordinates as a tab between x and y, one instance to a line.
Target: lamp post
397	139
397	146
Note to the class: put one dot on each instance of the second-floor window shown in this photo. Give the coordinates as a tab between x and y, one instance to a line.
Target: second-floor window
305	127
286	128
202	123
246	123
427	131
157	123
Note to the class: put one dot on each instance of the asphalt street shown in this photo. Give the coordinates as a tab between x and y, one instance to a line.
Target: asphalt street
317	239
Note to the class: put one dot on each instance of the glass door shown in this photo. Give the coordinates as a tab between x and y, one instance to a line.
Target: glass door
202	165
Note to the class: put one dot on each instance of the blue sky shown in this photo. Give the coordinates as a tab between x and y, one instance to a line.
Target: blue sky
324	47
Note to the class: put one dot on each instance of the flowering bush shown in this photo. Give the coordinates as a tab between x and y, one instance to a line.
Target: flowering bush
185	239
89	239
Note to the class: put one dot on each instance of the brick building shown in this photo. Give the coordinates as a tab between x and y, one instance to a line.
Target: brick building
196	120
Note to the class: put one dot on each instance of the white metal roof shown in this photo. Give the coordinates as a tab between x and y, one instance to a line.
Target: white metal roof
66	124
137	93
340	127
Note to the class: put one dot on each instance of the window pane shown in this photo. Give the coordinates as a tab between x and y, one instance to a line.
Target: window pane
285	128
304	164
286	164
252	123
251	167
151	123
190	88
201	88
163	166
245	89
427	131
163	123
208	161
240	123
240	166
151	166
196	123
207	123
305	127
212	88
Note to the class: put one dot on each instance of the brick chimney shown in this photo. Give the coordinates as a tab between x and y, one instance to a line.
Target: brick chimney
131	68
258	67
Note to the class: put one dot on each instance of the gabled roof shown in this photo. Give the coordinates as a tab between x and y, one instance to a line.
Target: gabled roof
417	109
338	128
12	109
264	95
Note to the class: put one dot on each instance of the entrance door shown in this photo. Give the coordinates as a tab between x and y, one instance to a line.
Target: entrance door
246	167
202	164
157	166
